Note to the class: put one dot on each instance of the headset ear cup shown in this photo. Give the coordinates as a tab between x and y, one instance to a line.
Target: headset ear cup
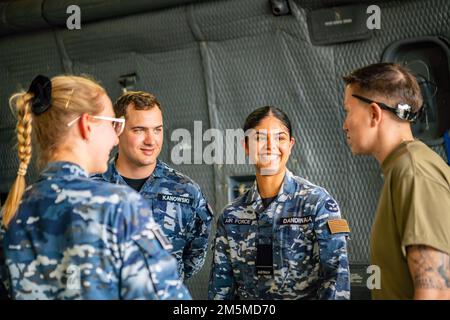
429	91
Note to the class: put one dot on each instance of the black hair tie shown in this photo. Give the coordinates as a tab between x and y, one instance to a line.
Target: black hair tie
41	88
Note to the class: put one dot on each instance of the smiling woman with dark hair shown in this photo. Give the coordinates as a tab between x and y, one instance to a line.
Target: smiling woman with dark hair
284	238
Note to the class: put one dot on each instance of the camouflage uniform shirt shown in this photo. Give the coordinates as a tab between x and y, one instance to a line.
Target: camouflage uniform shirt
75	238
309	259
180	208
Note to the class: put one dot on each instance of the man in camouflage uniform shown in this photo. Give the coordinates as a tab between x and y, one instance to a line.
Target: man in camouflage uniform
178	203
75	238
307	246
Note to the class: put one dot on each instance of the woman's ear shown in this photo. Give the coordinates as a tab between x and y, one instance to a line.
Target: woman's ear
85	126
245	145
291	144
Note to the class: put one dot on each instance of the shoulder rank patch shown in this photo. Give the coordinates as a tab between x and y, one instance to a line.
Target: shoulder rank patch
161	237
210	211
331	205
172	198
338	226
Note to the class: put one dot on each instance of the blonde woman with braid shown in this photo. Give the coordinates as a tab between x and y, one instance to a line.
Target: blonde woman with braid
66	236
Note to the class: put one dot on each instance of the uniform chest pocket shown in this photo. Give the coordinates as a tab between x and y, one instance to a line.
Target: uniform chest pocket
296	241
173	217
242	238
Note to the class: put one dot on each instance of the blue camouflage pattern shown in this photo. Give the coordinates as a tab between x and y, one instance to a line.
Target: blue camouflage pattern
181	210
75	238
309	262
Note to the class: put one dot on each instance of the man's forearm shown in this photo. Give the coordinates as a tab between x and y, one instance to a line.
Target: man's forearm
431	294
430	271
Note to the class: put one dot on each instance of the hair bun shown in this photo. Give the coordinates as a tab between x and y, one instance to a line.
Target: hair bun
41	88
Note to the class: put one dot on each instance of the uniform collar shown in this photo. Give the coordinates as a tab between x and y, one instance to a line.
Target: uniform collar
285	193
160	168
63	168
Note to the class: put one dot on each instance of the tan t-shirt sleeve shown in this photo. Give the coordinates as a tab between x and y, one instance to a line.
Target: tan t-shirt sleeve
422	209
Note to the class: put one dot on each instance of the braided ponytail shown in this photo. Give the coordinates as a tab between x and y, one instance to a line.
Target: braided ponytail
59	102
23	128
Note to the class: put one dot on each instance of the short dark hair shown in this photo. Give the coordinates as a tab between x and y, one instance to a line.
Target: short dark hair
254	118
391	80
139	99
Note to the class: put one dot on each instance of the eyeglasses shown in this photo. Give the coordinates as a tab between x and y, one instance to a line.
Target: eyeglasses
117	123
403	111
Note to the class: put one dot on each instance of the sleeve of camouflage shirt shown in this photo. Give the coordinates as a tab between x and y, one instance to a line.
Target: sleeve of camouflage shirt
221	281
144	259
334	270
197	238
3	274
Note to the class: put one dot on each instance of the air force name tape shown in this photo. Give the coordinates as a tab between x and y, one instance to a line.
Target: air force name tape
238	221
296	220
172	198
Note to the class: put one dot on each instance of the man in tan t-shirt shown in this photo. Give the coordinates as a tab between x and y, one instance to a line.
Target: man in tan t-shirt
410	240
